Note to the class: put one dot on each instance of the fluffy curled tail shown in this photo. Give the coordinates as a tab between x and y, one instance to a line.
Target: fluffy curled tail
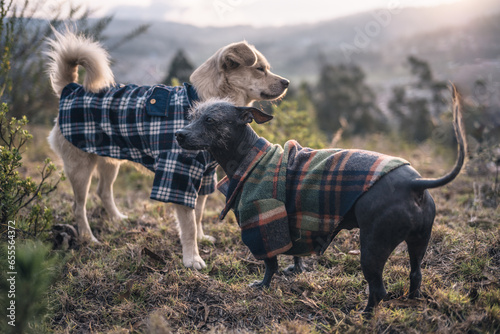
421	184
67	51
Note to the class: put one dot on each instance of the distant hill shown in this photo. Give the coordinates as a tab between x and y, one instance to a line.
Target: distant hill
459	40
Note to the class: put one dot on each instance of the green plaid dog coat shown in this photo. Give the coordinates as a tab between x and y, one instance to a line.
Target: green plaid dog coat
290	201
138	123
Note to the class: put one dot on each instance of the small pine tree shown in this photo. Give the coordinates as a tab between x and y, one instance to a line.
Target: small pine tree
25	286
180	68
344	101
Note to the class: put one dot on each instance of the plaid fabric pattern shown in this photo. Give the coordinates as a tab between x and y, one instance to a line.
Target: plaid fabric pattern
291	200
138	123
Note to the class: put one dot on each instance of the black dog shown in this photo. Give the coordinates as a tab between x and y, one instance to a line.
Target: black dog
388	209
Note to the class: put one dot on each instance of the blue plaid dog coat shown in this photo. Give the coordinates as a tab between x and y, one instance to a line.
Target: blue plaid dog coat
138	123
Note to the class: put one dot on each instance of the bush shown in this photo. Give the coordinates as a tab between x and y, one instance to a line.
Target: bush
291	123
19	193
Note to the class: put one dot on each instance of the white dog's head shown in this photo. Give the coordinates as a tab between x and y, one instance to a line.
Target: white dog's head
239	72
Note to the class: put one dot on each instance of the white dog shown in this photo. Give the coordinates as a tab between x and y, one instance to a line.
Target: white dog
100	124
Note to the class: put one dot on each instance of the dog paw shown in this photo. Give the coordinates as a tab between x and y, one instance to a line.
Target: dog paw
257	285
89	238
195	262
208	238
95	241
117	217
293	270
415	294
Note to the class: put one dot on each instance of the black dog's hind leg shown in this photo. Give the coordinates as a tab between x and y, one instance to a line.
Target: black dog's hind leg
416	250
417	244
271	269
296	268
372	266
374	254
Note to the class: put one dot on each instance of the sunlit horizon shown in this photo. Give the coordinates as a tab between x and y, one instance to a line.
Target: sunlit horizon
258	13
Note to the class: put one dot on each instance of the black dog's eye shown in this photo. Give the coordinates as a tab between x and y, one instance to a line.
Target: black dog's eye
209	120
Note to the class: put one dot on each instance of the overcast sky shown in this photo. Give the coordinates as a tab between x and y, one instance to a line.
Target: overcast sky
246	12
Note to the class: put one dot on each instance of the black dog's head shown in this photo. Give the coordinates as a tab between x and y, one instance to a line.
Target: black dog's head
216	123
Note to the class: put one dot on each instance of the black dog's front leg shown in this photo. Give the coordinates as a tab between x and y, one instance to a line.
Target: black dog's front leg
271	268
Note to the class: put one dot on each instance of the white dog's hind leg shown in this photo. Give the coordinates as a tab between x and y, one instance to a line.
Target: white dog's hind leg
186	219
200	207
108	170
79	173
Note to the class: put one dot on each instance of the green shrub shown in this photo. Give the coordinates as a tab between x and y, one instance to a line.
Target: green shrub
291	123
22	198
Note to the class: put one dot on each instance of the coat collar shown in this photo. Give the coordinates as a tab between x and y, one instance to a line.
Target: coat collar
191	93
231	187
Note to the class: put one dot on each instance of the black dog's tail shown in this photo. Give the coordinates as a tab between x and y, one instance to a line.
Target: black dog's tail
422	184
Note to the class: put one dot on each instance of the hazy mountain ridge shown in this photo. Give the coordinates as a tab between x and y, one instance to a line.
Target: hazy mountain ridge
449	37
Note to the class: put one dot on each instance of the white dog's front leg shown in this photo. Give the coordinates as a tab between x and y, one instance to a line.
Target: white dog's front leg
186	219
200	207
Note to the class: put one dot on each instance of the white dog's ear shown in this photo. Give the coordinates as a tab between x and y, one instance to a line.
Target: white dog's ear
237	54
248	114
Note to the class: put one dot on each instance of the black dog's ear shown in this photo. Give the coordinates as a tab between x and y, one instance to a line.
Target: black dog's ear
250	113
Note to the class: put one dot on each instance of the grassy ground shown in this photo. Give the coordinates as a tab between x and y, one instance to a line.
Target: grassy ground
134	282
